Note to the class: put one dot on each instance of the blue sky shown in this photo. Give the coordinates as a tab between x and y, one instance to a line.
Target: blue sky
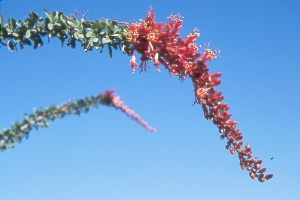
105	155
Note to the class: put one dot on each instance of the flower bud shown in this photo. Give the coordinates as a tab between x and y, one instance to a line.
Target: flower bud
262	170
232	150
269	176
252	175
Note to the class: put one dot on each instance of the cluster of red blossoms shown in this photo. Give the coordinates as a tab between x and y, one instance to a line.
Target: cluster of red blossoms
161	44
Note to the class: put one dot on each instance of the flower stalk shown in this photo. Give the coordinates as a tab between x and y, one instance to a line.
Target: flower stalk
162	44
40	118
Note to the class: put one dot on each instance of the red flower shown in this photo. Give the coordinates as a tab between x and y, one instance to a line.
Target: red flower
161	44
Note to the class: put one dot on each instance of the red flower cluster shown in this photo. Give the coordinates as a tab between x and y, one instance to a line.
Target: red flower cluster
162	44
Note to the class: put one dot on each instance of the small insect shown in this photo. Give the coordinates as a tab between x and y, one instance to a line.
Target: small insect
272	158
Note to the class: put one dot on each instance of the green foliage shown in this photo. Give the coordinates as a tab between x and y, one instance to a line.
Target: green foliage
30	31
1	21
96	34
40	118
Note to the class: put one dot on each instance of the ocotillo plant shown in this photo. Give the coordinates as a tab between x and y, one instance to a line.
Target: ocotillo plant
157	42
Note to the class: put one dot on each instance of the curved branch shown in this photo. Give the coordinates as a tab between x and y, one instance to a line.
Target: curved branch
96	34
40	118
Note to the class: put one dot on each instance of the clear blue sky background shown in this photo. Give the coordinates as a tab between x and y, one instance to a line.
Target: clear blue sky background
105	155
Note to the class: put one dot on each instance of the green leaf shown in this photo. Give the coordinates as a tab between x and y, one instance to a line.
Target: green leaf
86	24
63	21
106	40
55	15
109	50
63	18
91	43
90	35
73	22
109	31
29	23
10	45
40	21
33	16
19	23
78	36
50	27
1	21
102	24
28	34
48	15
12	23
15	34
107	21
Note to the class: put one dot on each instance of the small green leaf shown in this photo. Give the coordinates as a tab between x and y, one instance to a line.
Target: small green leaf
63	18
12	23
86	24
78	36
1	21
29	23
55	15
48	15
10	45
19	23
40	21
91	43
107	21
73	22
109	50
78	29
33	16
106	40
102	24
50	27
28	34
109	31
15	34
90	34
